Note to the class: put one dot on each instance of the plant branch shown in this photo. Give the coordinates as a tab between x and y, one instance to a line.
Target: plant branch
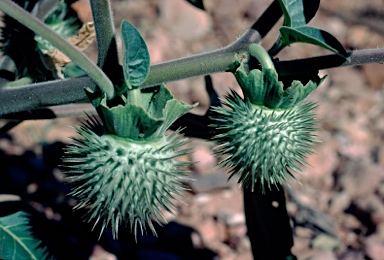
218	60
106	40
38	27
308	65
192	66
50	93
56	92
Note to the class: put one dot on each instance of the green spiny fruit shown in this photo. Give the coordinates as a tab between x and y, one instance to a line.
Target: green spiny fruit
126	170
123	181
266	136
263	144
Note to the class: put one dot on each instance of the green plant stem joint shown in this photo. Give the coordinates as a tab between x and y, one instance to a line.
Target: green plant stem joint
126	170
266	136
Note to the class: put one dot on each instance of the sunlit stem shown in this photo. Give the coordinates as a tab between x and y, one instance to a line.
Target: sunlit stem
258	52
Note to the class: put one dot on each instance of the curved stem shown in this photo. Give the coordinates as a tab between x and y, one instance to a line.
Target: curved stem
257	51
26	19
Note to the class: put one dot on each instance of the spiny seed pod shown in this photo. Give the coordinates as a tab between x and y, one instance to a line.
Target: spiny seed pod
125	171
263	144
123	181
267	135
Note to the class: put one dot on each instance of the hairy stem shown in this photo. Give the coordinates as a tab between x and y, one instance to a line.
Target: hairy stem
308	65
16	99
56	92
134	97
261	55
105	35
38	27
192	66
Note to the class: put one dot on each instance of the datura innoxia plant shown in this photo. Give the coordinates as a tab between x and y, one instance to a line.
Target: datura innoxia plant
126	169
265	136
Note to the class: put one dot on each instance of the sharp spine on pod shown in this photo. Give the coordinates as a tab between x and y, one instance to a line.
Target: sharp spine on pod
265	136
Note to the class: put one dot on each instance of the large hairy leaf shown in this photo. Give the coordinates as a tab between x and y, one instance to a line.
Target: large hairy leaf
313	36
16	241
135	55
297	13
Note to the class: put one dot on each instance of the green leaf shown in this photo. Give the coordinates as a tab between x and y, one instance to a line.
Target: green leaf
313	36
172	111
16	241
263	88
129	121
297	91
274	89
252	84
298	12
198	3
135	55
153	100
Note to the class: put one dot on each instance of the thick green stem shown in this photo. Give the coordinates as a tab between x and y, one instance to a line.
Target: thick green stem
26	19
51	93
133	97
257	51
105	34
192	66
309	65
56	92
